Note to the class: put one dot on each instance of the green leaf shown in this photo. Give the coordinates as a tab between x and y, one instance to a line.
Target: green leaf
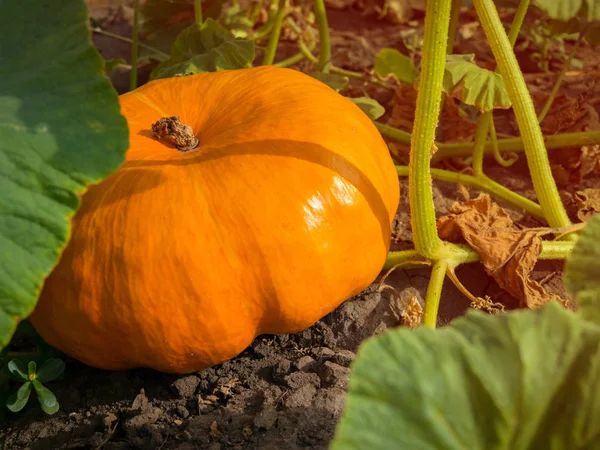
163	20
567	9
527	379
370	107
19	399
31	368
391	61
17	369
60	130
582	271
50	370
335	82
46	398
206	48
474	85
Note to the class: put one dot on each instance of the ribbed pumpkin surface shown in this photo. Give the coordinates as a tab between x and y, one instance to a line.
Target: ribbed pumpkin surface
179	260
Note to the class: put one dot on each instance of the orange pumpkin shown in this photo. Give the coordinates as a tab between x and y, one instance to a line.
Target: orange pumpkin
181	258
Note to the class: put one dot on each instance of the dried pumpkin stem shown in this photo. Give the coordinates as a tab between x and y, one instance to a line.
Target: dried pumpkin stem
437	19
180	135
537	157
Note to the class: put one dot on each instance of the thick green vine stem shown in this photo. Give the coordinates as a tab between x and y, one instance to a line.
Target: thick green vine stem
463	254
449	150
271	50
324	40
134	46
485	184
198	12
533	140
434	292
486	120
437	19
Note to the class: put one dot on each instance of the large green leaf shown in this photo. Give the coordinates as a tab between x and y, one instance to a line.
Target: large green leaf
206	48
335	82
163	20
60	130
474	85
582	271
567	9
369	106
391	62
528	379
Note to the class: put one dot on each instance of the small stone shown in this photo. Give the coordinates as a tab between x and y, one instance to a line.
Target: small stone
266	418
334	375
322	353
263	349
140	401
182	411
109	419
281	369
186	446
177	421
148	417
301	398
186	386
271	395
343	358
298	379
331	400
305	364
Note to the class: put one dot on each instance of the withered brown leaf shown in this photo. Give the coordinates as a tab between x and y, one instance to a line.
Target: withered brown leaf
412	314
588	203
508	254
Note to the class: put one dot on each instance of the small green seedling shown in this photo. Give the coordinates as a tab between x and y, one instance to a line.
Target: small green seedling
49	371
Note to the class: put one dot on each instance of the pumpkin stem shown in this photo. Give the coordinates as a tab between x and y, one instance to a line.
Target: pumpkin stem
173	131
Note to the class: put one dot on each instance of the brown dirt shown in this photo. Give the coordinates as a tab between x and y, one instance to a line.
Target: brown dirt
283	392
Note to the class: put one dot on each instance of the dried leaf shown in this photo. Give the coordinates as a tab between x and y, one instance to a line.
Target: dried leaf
508	254
403	110
486	304
412	315
214	429
588	203
589	159
453	127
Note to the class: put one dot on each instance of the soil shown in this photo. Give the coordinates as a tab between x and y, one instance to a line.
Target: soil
282	392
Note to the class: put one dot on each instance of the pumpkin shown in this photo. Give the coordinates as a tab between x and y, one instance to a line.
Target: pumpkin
276	209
